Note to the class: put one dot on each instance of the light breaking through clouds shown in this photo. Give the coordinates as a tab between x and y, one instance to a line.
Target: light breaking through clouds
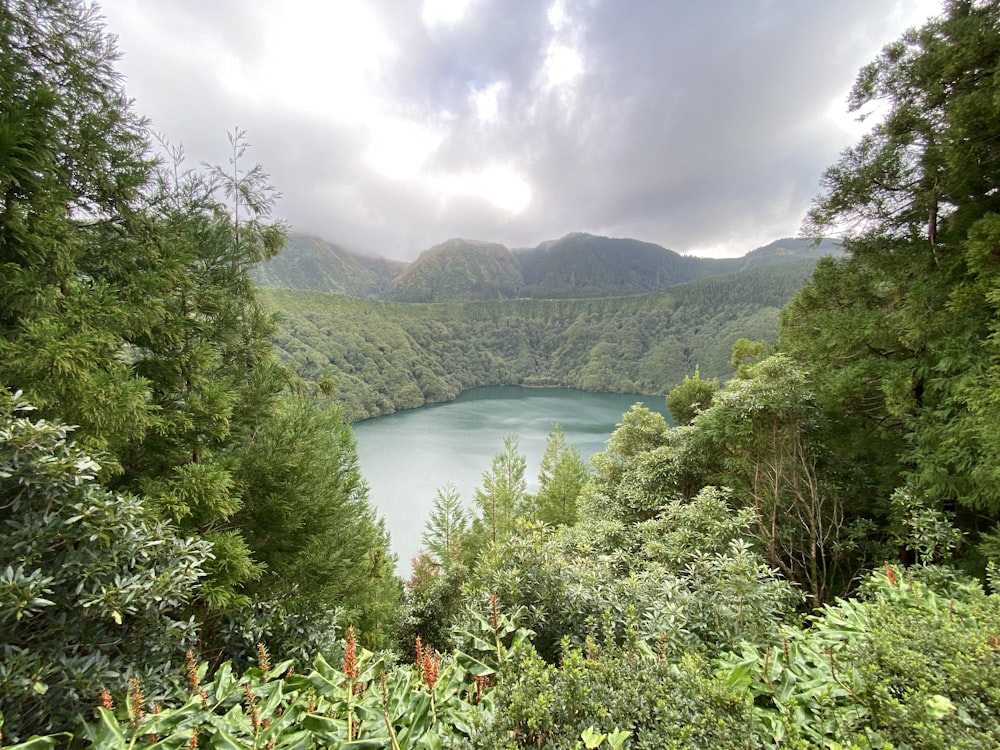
392	125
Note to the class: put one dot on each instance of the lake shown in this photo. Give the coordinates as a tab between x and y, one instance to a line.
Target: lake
406	457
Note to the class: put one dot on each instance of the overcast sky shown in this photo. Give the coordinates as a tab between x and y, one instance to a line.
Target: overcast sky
394	125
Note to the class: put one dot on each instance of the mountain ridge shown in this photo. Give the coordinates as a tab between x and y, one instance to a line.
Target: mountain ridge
576	266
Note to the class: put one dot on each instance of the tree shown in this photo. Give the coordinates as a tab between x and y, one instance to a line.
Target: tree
762	431
93	587
691	397
561	477
447	526
903	330
74	280
306	518
501	498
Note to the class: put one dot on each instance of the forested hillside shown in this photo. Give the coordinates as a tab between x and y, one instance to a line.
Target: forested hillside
383	357
577	266
459	271
311	263
808	559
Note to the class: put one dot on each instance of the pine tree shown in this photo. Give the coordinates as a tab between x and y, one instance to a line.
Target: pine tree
74	269
447	526
501	498
561	477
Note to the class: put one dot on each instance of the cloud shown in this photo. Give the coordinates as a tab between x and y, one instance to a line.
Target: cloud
394	126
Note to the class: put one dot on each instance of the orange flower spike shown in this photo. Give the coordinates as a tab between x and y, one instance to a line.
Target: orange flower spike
251	707
263	658
136	701
350	656
890	575
105	699
420	659
430	668
494	611
192	671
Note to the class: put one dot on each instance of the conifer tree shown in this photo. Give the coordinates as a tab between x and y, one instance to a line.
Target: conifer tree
561	477
501	498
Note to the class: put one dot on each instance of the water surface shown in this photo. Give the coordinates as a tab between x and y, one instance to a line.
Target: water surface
406	457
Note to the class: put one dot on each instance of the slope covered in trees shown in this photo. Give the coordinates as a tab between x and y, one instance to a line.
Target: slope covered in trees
383	356
307	262
577	266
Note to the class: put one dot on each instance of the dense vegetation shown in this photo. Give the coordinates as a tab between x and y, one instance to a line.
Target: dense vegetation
310	263
808	560
383	356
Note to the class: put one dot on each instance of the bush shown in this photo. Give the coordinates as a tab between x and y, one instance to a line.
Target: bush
93	588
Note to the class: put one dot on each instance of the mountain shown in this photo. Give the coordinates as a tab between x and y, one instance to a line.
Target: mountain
784	250
459	271
311	263
584	265
577	266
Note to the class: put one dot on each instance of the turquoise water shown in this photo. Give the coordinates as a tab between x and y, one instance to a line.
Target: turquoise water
405	457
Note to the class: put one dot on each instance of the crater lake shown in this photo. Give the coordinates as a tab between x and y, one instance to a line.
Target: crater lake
407	456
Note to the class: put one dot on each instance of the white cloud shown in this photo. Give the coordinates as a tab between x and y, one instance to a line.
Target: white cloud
443	12
500	186
562	65
400	148
486	101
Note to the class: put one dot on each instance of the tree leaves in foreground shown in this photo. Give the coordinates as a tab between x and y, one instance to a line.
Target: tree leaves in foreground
94	588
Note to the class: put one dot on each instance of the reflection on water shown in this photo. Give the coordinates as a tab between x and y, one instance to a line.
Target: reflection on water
406	457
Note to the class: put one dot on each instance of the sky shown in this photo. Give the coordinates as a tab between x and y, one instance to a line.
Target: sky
390	126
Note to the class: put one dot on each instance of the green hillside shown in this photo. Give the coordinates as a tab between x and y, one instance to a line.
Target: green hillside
576	266
308	262
387	356
583	265
459	270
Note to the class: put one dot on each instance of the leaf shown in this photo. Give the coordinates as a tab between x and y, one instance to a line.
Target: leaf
38	743
472	665
592	739
108	733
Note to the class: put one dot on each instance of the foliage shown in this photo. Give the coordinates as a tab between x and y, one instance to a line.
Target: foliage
126	308
383	357
447	526
903	329
684	580
73	166
503	496
366	703
308	520
691	397
652	702
561	477
913	663
93	587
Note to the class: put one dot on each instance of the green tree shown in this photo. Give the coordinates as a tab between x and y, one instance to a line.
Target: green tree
447	526
93	587
762	431
209	365
912	354
691	397
74	282
561	477
502	496
307	519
